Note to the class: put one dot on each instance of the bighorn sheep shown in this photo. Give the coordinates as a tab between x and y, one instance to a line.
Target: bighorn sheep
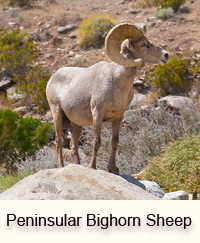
102	92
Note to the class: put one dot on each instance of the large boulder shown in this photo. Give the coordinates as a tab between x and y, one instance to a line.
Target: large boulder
75	182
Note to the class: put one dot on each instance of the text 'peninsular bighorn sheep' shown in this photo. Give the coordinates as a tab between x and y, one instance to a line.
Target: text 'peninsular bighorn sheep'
102	92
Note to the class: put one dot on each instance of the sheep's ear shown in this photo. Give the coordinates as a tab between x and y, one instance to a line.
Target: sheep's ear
130	43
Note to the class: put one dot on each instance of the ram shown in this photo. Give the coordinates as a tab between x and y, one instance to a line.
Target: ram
102	92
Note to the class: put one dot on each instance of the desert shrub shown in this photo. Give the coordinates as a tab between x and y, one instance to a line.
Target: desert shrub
20	137
33	88
44	158
142	136
20	3
175	4
165	13
18	54
178	166
174	76
93	30
9	180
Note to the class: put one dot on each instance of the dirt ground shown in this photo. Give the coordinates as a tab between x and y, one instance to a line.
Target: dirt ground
173	35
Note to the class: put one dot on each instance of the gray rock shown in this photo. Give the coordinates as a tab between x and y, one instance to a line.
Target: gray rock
151	18
73	34
12	94
5	83
67	28
13	13
47	25
75	182
56	41
178	195
176	102
152	24
39	36
138	100
21	110
135	11
13	24
153	188
138	82
142	26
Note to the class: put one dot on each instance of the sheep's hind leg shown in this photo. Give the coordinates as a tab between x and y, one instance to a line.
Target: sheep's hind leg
76	133
114	144
57	114
97	124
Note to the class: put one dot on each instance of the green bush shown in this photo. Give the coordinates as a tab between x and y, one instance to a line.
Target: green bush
174	76
21	137
9	180
33	88
175	4
178	166
18	54
20	3
164	14
93	30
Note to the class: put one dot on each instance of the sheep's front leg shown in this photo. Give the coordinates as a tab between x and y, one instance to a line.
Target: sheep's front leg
97	124
114	144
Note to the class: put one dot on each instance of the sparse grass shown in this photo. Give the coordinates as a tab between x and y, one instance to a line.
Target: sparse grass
151	98
142	136
9	180
5	102
45	158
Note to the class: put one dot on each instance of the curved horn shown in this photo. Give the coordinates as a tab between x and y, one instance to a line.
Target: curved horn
114	39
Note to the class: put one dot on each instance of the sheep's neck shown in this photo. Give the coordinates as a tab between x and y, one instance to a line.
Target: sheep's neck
126	77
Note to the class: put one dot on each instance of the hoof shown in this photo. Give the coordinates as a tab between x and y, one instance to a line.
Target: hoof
92	167
113	170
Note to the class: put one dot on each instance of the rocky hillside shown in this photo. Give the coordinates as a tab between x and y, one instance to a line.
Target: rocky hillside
58	46
151	121
54	25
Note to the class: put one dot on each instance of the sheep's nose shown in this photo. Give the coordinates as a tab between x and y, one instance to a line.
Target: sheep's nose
166	55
